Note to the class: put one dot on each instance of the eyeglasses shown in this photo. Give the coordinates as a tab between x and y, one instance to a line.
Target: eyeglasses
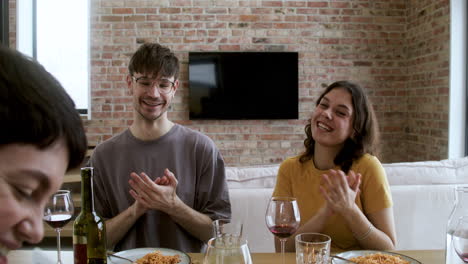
164	85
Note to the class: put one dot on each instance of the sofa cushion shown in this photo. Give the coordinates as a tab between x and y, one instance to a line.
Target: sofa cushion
421	214
249	207
454	171
263	176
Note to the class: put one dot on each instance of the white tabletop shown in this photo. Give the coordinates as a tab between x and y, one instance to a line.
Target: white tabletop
39	256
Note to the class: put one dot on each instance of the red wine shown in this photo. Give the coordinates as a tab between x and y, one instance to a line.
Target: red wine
282	231
463	256
57	220
79	252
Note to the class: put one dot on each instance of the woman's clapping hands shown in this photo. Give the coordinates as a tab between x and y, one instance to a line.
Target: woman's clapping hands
340	190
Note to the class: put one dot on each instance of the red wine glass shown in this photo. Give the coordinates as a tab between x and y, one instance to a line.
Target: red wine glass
282	218
57	213
460	239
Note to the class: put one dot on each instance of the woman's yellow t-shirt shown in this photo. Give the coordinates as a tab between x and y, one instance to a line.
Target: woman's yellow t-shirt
302	181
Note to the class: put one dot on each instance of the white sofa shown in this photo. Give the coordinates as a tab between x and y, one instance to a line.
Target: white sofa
423	196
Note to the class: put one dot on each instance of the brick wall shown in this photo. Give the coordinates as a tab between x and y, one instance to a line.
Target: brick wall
12	22
428	81
397	49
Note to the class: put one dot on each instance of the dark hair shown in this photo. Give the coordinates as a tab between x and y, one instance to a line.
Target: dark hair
35	109
152	58
366	132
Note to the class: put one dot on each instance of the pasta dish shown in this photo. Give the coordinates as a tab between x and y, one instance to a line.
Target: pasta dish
157	258
379	258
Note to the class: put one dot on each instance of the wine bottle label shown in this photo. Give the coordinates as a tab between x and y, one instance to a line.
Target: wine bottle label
80	240
80	255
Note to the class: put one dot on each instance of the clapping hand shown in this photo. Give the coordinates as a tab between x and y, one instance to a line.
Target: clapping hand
159	194
163	180
340	190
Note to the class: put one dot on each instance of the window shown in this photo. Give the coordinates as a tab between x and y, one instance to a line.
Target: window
4	23
56	33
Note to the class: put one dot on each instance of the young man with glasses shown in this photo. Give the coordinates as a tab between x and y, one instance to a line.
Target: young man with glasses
159	184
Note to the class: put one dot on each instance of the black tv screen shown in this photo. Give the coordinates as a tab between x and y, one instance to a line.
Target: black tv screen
243	85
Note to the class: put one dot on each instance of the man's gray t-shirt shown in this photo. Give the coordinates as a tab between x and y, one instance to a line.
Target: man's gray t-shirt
195	162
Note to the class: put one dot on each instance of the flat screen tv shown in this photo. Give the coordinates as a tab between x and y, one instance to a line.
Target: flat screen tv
243	85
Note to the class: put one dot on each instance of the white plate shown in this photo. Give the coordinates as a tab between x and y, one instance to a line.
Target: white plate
137	253
357	253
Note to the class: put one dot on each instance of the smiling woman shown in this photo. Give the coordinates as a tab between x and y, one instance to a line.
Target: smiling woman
44	137
340	174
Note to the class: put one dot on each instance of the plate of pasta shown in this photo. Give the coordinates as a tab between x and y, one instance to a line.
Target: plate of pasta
374	257
150	256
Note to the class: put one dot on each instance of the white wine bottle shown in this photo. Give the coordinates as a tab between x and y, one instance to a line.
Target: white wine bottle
89	230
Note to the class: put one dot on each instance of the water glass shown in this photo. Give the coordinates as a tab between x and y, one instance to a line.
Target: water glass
221	250
227	227
312	248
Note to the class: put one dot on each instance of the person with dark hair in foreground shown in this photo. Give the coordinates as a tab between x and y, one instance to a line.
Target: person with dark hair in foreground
159	184
340	186
42	137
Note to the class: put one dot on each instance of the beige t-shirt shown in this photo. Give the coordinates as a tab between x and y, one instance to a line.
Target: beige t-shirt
302	181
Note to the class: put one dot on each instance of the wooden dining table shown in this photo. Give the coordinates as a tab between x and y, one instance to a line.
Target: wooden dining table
423	256
29	256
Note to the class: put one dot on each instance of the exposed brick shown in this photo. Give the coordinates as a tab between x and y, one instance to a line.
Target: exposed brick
317	4
171	25
329	41
329	11
340	4
145	10
398	50
111	19
272	3
163	10
249	18
122	10
134	18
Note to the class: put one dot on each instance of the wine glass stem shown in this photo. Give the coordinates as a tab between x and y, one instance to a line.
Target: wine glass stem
283	242
59	259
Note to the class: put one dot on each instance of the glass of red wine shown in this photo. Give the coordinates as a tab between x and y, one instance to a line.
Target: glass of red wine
460	238
282	218
57	213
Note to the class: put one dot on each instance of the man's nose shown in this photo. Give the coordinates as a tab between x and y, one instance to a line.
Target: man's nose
154	90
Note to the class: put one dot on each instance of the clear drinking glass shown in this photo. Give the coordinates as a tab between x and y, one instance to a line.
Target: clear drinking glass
312	248
460	239
460	210
227	250
227	227
282	218
57	213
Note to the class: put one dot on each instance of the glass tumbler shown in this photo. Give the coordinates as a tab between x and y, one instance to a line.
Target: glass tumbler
312	248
